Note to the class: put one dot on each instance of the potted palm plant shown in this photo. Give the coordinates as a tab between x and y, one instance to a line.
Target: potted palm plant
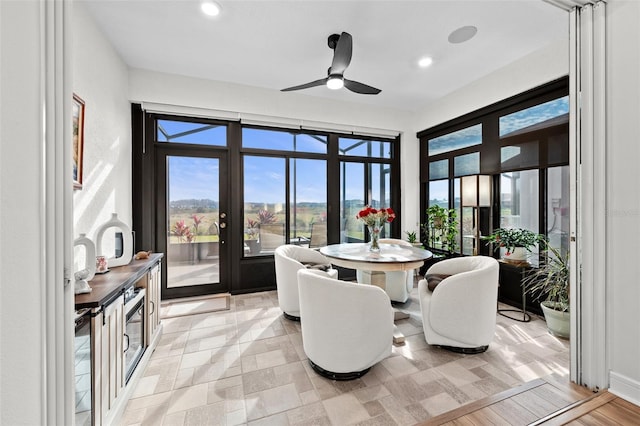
516	242
551	282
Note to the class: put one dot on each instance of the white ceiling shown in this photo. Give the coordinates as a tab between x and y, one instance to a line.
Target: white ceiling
277	44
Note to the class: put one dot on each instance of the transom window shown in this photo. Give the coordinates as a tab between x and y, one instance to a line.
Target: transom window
187	132
459	139
283	141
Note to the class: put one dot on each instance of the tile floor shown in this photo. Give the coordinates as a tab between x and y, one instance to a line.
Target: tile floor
247	366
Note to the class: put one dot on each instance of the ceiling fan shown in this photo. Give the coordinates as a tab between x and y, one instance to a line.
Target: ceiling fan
342	47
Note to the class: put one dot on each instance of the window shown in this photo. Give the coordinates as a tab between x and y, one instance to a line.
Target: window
283	141
365	179
264	204
308	201
439	193
175	131
535	117
276	186
439	169
468	164
456	140
523	142
519	205
558	208
364	148
285	189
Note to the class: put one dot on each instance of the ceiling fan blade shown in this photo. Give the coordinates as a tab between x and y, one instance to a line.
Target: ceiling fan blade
342	54
361	88
320	82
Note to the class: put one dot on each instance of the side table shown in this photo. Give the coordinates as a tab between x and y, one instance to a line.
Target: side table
520	315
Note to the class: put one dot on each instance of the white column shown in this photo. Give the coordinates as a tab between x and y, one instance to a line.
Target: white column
36	329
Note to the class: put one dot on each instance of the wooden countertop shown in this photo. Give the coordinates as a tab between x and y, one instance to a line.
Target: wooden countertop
107	286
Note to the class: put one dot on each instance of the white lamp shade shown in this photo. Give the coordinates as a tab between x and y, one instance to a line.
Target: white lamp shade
476	191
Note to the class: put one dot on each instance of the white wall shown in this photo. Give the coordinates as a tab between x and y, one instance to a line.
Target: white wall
101	80
623	211
22	338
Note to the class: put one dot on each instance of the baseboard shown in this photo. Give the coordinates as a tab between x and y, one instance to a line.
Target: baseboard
624	387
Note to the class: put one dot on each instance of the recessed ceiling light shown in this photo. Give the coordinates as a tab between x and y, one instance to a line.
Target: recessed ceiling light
462	34
425	62
210	8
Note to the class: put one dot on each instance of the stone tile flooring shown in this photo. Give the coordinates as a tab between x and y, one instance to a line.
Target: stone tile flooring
247	366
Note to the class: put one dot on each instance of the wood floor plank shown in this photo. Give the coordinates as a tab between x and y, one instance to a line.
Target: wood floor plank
486	416
619	414
461	421
547	403
626	404
593	419
580	410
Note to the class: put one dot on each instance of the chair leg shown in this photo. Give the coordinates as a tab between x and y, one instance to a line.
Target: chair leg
469	351
338	376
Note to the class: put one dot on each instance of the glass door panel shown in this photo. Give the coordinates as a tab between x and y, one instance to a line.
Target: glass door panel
352	199
193	221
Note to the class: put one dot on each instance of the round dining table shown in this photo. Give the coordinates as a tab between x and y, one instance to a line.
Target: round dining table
391	257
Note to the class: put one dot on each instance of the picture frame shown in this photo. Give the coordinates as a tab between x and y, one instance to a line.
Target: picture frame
77	114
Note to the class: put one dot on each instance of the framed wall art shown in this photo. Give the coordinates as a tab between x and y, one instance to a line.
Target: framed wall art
78	139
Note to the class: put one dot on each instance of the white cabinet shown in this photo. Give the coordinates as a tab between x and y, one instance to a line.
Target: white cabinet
152	283
110	389
112	348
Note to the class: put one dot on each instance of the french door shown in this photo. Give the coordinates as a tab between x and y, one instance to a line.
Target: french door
192	219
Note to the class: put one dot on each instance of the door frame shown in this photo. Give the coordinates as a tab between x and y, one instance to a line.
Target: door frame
162	152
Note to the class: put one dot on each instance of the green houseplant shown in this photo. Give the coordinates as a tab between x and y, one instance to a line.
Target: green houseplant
551	282
516	242
412	236
441	228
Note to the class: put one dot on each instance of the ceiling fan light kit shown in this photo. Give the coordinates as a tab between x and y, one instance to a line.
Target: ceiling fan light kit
342	45
335	82
210	8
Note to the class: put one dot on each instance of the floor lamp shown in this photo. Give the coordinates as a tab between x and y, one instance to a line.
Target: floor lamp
476	193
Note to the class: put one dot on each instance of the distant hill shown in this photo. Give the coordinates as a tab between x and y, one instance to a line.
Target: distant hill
194	204
212	204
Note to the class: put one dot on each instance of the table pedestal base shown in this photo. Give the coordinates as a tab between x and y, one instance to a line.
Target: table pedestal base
398	337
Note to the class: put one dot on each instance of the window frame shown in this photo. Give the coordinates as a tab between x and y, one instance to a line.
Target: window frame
490	149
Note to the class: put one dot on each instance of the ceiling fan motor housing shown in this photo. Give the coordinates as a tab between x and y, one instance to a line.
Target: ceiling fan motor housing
333	40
